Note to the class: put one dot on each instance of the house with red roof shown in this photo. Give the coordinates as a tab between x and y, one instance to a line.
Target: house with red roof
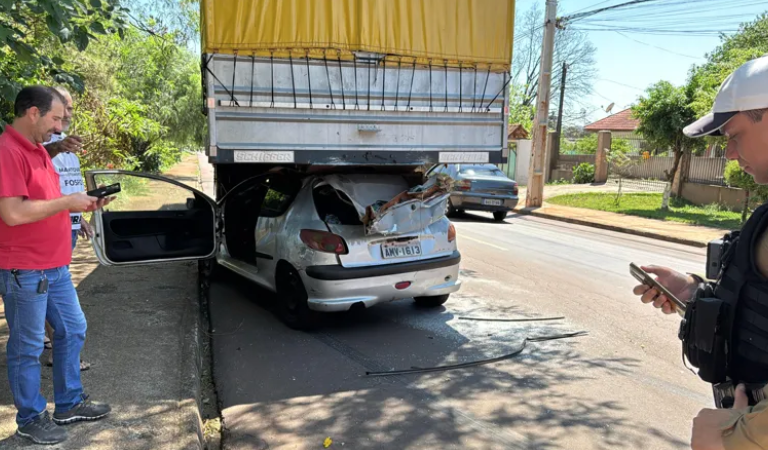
621	125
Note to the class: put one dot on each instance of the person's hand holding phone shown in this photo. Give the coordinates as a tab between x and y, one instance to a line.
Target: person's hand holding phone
81	202
679	284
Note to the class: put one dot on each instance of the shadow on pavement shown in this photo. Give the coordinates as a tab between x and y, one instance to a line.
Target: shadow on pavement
285	389
137	317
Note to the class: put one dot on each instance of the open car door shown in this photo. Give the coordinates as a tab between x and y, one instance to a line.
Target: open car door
154	219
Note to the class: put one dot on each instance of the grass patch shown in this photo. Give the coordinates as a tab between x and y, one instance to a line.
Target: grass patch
649	206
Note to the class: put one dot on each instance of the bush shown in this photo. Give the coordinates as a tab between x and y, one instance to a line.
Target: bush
584	173
736	177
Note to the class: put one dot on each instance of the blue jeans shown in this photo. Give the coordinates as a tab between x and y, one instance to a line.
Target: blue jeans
26	312
74	239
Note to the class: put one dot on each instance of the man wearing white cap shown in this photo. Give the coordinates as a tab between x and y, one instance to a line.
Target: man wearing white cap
725	328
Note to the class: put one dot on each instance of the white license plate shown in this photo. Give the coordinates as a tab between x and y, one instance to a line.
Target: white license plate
464	157
258	156
492	202
396	250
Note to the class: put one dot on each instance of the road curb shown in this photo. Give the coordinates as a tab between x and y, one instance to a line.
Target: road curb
192	364
617	228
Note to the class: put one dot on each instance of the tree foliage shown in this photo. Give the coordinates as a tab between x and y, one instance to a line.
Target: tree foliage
663	113
30	29
588	145
138	89
749	43
571	46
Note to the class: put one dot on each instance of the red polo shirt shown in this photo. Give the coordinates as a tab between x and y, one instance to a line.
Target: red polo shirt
27	171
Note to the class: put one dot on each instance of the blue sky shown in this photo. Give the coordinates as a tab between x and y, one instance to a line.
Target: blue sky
626	67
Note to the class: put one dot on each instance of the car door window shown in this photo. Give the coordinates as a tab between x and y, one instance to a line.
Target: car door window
279	196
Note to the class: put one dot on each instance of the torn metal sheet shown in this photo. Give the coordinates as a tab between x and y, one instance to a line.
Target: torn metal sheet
386	206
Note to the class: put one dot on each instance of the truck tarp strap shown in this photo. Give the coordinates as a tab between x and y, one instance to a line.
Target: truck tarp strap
253	76
234	73
328	75
482	100
293	81
397	87
309	80
413	76
474	89
272	74
500	90
430	85
341	75
383	82
208	69
445	65
357	100
461	97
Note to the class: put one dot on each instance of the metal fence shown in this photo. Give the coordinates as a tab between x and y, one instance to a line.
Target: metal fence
642	173
706	170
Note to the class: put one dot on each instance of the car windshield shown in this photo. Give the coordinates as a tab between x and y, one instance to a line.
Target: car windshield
487	171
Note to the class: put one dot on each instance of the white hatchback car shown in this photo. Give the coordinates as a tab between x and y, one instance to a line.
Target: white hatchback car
301	237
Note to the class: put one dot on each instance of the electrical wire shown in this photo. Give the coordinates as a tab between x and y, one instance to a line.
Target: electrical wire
659	48
481	362
621	84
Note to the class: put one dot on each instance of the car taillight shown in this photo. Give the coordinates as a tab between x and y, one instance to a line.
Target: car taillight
514	190
451	233
464	185
323	241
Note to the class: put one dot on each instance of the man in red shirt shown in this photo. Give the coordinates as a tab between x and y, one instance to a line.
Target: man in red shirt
35	252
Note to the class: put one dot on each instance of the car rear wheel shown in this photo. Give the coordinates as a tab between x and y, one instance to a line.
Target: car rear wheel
499	216
450	211
432	302
293	307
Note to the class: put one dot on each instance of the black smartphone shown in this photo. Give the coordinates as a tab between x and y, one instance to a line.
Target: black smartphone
645	278
105	191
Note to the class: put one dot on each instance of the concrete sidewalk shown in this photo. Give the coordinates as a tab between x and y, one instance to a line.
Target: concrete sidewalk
144	344
696	236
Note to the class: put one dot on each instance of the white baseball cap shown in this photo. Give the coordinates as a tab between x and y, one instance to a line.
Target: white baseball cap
744	90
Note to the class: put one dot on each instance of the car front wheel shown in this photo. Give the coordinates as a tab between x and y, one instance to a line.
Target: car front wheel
432	302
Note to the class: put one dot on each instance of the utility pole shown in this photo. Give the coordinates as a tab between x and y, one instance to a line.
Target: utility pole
559	133
535	191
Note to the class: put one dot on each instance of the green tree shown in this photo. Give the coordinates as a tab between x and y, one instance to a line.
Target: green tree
137	89
139	116
663	113
749	43
519	112
588	145
736	177
32	32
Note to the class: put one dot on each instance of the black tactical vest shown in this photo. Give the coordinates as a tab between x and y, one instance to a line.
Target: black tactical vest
744	294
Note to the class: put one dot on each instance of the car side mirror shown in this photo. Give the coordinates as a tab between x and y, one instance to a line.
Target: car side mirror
191	203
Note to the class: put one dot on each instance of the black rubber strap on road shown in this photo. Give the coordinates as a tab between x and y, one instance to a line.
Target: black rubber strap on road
533	319
480	362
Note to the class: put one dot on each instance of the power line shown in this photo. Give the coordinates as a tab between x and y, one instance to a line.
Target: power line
661	32
607	8
657	47
590	7
621	84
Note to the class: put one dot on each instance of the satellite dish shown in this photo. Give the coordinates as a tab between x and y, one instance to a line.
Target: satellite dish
609	108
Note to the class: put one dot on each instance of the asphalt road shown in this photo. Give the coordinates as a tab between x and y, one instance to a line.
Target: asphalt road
622	386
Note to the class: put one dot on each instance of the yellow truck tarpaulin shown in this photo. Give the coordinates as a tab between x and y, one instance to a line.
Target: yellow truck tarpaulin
469	32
